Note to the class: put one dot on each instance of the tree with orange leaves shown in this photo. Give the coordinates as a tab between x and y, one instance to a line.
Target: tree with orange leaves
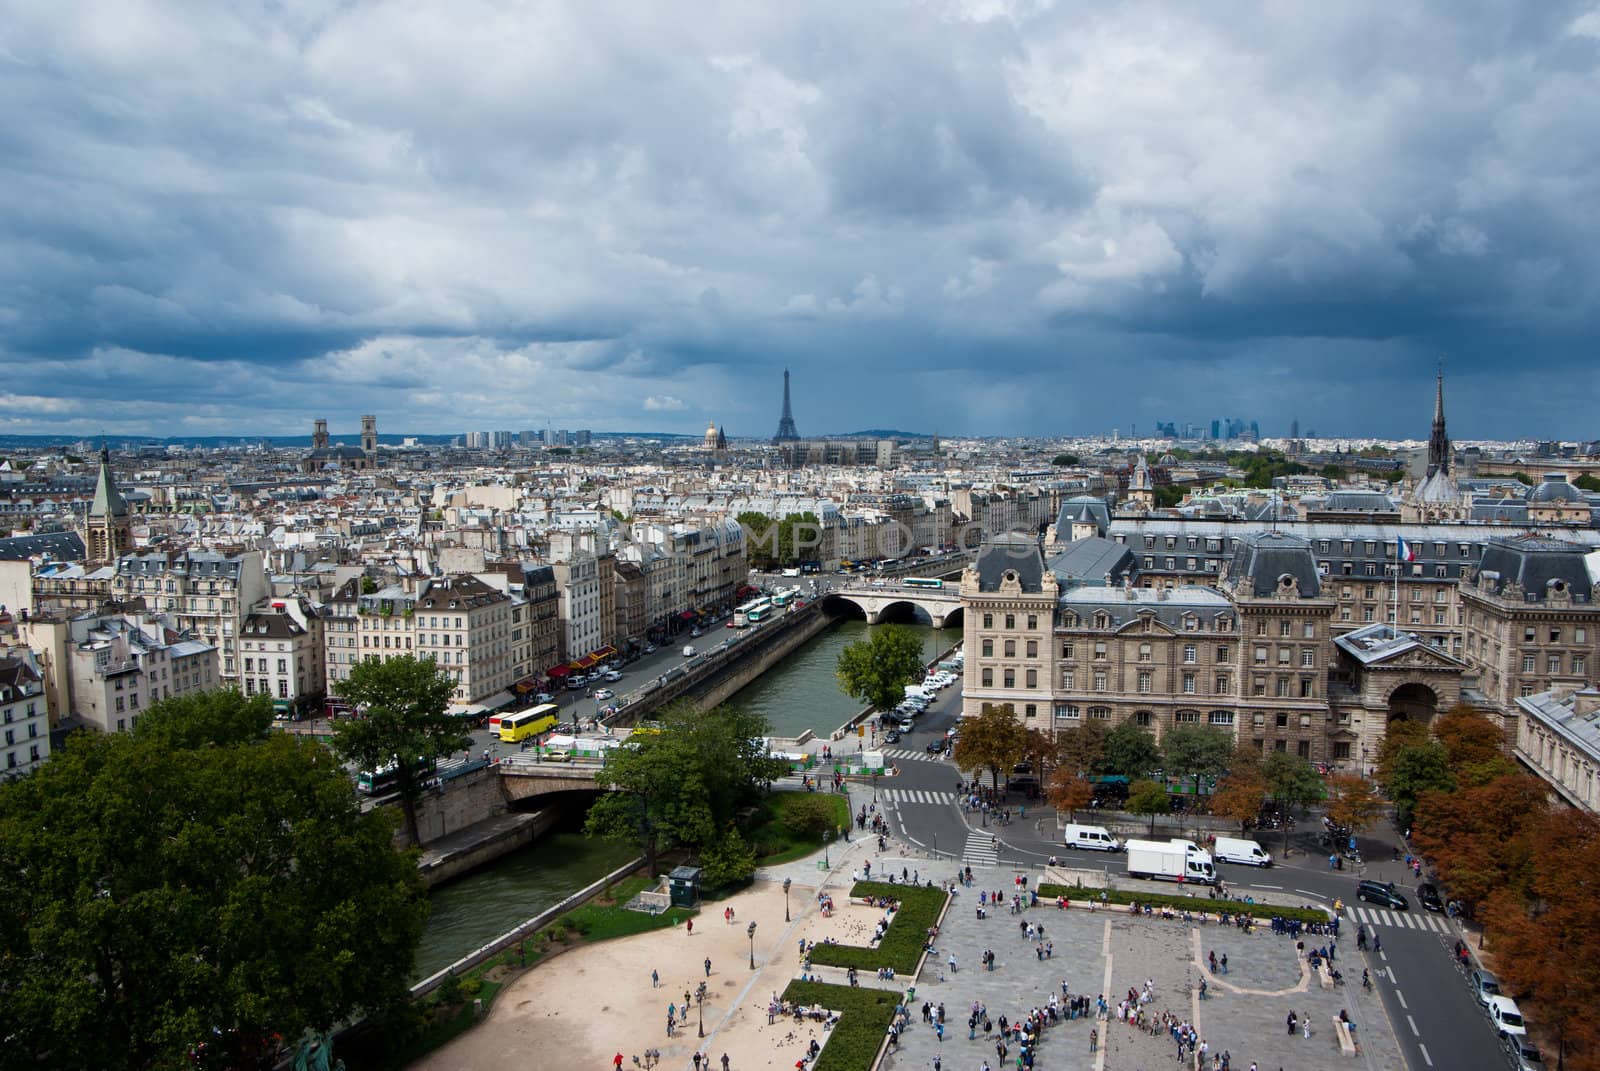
1239	796
1473	743
1352	802
1479	838
1069	791
1547	945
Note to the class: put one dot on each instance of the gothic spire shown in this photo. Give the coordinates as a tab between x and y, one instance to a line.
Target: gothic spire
108	501
1438	444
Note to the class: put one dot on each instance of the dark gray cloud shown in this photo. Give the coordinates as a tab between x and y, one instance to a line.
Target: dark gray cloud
985	216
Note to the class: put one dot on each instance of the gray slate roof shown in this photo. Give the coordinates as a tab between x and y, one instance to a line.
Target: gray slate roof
1093	562
1266	557
1010	551
1538	564
62	546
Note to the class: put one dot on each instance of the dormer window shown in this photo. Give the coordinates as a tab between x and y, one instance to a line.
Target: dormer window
1102	621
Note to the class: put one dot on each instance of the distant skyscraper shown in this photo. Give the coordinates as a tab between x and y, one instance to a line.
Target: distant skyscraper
786	430
1294	429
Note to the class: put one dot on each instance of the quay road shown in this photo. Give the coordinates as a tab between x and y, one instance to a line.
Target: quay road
1425	995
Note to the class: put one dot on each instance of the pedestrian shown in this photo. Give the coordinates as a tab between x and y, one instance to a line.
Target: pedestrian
1224	963
690	924
696	1062
1292	1022
616	1061
1094	1039
724	1062
1305	1026
655	979
708	966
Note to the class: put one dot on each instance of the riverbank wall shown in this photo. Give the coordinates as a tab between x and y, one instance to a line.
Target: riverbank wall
482	842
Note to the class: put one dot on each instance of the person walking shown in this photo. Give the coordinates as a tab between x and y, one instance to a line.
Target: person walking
1224	963
724	1062
690	924
1305	1026
1292	1022
655	979
708	966
1094	1039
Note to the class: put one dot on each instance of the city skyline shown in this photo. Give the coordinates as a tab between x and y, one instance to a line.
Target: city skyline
979	218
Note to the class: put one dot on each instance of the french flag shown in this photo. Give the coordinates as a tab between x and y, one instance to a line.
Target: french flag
1404	551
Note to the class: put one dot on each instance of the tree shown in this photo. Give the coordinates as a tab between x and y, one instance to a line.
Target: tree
1197	751
195	884
1168	495
1148	797
728	860
1469	738
1352	803
1040	750
774	541
1293	783
401	718
1588	482
877	669
995	741
1479	838
1069	791
1417	769
1332	472
1130	750
1064	459
1398	735
1082	750
1239	796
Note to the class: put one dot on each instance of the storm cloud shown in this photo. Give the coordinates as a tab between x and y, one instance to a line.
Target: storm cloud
979	217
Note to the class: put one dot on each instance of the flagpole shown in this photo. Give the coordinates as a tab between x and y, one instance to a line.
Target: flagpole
1398	543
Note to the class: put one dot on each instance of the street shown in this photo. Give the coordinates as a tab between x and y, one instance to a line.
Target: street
1425	995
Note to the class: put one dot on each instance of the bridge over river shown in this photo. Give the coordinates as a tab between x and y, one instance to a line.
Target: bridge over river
942	604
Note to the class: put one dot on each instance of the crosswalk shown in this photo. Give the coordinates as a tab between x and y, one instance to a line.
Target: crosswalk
1401	920
980	851
917	795
901	754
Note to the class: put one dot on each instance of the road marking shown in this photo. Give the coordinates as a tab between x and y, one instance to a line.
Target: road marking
1308	892
1415	1032
1277	887
980	850
1424	1050
1401	997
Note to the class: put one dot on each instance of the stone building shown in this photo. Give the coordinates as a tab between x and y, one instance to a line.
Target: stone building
23	716
282	655
209	593
108	527
1558	738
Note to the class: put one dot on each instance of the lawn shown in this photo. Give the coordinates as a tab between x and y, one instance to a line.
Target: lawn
1182	903
901	947
864	1018
774	842
595	921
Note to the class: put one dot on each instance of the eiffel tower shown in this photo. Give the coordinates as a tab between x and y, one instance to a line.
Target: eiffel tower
786	432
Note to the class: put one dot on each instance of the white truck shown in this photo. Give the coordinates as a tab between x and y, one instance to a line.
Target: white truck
1166	861
1238	850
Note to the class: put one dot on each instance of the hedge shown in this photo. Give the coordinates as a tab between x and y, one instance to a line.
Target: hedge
1183	903
901	947
864	1017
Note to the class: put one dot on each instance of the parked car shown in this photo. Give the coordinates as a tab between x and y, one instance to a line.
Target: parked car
905	725
1428	897
543	697
1524	1056
1506	1017
649	648
1384	893
1485	985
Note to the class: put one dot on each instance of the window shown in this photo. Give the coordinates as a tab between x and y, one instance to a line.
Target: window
1341	749
1190	623
988	621
988	648
1031	676
1191	653
1282	720
1284	655
1102	620
1221	717
1033	648
1065	712
1144	652
1555	635
1222	652
1100	650
1261	628
1066	650
988	678
1258	686
1066	680
1283	687
1580	635
1261	656
1366	613
1188	684
1029	711
1527	634
1100	681
1527	663
1033	621
1186	716
1578	664
1303	749
1306	688
249	665
1144	680
1011	621
1011	648
1308	658
1142	718
1344	613
1553	664
1285	629
1010	678
1222	684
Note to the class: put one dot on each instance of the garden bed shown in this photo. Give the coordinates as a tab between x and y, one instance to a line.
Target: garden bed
864	1018
1181	903
902	944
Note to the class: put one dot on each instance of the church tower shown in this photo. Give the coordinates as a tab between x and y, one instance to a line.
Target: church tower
1438	444
319	434
369	435
107	531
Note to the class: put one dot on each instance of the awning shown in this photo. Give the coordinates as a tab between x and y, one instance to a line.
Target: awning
604	652
526	685
688	615
558	671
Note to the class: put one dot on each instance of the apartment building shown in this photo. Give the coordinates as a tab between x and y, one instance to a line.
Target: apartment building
118	665
282	655
1558	738
23	717
208	593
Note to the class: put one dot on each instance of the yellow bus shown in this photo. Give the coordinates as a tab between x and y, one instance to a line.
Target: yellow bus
523	724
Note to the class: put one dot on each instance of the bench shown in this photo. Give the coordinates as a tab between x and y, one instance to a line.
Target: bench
1324	975
1346	1037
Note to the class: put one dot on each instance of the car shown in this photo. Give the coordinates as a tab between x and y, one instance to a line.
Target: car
1524	1056
1383	893
603	693
936	747
905	725
575	684
543	697
649	648
892	736
1485	986
1506	1017
613	676
1428	897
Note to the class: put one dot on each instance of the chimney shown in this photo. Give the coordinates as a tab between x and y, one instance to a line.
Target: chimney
1586	703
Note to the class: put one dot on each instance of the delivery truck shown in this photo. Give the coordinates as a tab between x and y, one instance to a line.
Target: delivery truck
1237	850
1165	861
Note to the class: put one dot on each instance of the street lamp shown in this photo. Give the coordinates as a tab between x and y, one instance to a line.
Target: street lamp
700	1004
752	934
825	840
786	899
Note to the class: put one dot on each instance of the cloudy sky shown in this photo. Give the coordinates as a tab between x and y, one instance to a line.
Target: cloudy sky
975	216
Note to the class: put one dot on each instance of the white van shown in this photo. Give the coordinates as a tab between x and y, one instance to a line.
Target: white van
1091	838
1197	853
1237	850
688	651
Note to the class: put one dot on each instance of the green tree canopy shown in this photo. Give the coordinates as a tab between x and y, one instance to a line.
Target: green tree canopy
402	714
1197	751
877	669
1082	750
195	883
1417	769
1291	780
995	741
780	541
1064	459
1148	797
680	786
1130	750
1168	495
